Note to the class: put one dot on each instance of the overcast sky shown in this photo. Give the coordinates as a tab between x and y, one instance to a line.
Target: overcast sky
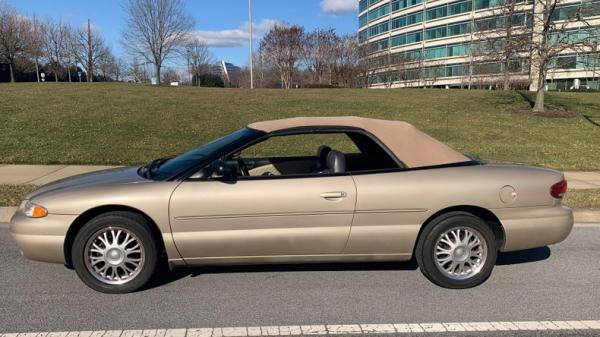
222	24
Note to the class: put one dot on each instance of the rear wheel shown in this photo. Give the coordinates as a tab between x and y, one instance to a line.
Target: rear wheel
457	250
115	253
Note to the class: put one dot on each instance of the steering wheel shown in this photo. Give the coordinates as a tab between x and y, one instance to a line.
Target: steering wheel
242	167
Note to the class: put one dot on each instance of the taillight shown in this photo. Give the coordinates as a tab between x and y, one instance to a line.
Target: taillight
559	189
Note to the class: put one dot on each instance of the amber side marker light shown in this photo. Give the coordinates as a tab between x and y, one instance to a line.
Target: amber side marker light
559	189
34	211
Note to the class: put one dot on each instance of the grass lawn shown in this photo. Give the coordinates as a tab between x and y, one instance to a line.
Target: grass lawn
12	195
583	198
125	124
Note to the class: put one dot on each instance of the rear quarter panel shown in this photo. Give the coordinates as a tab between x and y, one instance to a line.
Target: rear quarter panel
392	207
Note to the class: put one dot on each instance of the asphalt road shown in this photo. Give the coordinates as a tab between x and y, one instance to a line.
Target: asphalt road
561	282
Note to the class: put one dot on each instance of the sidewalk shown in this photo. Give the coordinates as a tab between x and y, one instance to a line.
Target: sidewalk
44	174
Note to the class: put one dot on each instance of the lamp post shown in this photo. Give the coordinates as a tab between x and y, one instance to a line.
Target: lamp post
250	38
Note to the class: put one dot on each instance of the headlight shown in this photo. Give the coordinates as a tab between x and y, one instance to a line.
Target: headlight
32	210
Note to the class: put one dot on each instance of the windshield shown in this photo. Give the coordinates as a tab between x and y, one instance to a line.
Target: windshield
201	155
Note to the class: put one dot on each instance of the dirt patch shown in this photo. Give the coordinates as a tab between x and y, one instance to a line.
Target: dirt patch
548	113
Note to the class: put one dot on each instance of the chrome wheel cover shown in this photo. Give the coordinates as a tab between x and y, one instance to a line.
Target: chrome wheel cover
460	253
114	255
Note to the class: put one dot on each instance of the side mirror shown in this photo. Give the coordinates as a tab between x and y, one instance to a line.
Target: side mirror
220	170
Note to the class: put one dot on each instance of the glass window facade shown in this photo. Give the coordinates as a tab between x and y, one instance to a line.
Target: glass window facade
448	30
577	61
421	51
453	70
587	8
450	50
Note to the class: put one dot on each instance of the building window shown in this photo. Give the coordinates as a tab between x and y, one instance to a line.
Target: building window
363	20
438	12
435	33
378	12
459	8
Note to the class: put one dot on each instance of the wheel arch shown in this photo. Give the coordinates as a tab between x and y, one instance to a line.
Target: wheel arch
88	215
485	214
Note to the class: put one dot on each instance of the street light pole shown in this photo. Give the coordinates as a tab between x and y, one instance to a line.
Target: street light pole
251	56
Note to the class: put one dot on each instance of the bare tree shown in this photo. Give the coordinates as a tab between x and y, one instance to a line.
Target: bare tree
170	75
119	68
89	48
282	47
502	37
319	53
551	37
593	61
156	29
69	57
56	36
137	72
198	57
35	44
14	30
346	63
106	64
364	65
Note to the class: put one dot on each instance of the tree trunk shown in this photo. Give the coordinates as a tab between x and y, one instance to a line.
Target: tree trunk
12	71
69	73
506	85
539	100
90	73
37	69
158	73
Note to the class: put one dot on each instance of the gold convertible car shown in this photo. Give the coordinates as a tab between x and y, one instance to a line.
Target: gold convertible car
315	189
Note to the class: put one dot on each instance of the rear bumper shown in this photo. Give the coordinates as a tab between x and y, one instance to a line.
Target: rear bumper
533	227
41	239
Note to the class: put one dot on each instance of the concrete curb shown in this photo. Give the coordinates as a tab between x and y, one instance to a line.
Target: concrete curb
582	216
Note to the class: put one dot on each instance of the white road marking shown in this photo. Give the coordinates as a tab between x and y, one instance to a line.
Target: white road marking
328	329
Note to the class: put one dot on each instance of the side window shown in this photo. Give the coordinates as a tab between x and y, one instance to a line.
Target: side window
303	145
311	154
302	154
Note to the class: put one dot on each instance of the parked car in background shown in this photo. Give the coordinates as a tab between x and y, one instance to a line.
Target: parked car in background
314	189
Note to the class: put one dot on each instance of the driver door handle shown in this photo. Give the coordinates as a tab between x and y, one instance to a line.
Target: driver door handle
333	195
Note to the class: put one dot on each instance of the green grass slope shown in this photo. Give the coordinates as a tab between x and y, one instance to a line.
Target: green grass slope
130	124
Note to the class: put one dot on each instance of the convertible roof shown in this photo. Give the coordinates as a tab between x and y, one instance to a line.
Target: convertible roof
413	147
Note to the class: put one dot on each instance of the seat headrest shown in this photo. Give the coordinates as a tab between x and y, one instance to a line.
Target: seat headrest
336	162
322	153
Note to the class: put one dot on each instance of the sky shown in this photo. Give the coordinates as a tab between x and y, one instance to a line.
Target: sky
222	24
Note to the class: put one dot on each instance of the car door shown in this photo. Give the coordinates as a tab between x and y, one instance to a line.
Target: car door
262	217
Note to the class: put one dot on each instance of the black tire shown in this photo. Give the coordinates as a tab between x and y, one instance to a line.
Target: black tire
136	225
425	256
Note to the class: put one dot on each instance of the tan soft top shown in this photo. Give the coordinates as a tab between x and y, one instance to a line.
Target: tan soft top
413	147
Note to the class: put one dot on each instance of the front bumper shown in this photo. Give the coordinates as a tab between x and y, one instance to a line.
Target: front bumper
41	239
533	227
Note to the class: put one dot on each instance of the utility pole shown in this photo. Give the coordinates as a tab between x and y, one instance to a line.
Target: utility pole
251	52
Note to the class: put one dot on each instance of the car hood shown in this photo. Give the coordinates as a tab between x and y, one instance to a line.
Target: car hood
117	176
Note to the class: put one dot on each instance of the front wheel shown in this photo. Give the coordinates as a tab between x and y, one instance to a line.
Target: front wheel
115	253
457	250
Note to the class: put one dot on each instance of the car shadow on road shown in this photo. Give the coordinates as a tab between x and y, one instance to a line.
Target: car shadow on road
523	256
165	276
